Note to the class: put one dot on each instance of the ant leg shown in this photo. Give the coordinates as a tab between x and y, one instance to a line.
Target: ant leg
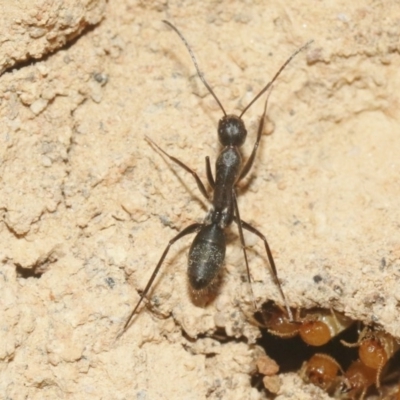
188	230
200	184
250	161
242	242
251	229
210	177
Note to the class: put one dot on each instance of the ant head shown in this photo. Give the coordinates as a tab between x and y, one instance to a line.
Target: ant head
231	131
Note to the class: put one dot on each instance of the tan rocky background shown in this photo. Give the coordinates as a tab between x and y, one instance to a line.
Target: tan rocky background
87	205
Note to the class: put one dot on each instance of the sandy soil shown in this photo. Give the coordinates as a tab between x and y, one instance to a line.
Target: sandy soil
87	205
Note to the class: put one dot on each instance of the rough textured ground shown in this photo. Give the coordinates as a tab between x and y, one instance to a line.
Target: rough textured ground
87	205
33	29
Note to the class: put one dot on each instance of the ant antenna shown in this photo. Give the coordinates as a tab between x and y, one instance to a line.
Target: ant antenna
266	87
201	76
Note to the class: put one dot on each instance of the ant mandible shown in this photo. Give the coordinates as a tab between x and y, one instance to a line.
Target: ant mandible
207	252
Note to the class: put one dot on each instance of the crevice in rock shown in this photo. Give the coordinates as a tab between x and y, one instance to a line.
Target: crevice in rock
69	42
351	361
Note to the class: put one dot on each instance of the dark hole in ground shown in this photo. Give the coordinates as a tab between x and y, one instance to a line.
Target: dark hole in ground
291	353
26	273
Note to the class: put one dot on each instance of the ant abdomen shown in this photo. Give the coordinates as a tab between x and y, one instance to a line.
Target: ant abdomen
206	256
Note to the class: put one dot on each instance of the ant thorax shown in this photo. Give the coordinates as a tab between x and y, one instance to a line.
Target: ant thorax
228	166
221	218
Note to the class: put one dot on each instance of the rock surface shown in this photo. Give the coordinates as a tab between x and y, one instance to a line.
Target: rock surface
87	205
30	30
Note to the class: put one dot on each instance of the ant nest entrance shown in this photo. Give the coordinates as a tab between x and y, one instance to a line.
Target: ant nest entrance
345	358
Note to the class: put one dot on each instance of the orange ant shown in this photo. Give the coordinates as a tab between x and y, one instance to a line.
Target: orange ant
375	349
321	370
316	326
356	381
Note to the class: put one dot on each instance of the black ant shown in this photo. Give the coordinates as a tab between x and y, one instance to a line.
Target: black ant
207	251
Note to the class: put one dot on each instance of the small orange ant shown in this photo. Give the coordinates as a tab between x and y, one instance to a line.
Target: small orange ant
356	381
316	326
375	349
321	370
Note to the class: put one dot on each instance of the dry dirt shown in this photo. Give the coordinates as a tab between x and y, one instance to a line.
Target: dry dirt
87	205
